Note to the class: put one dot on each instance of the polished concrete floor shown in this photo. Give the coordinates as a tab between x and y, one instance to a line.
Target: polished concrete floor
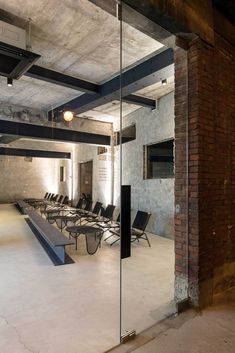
76	308
209	331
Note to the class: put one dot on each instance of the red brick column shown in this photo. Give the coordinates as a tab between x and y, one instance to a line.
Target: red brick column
181	174
204	219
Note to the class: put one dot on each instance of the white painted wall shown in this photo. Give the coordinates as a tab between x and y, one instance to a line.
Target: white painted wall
101	179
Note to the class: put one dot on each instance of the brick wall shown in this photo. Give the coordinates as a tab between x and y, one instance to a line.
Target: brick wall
181	175
205	259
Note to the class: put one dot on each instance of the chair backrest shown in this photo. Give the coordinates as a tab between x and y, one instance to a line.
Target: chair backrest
141	220
56	197
97	208
60	198
79	203
88	205
108	212
46	194
65	200
51	197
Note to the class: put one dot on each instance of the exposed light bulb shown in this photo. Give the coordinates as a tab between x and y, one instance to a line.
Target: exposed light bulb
68	115
164	82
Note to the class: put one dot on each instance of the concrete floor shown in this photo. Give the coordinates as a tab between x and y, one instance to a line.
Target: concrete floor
209	331
75	308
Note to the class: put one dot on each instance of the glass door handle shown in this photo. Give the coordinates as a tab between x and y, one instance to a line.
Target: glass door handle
125	221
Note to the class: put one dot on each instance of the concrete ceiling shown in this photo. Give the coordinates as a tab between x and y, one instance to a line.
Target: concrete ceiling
79	39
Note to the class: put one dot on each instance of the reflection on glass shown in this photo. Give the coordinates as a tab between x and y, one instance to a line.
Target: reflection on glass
147	288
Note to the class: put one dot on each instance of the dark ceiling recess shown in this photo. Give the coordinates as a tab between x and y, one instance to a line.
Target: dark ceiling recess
14	62
226	8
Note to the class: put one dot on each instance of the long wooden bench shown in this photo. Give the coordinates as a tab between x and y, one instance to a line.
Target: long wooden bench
22	206
54	239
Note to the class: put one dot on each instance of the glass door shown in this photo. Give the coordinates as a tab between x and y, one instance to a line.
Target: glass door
147	173
54	119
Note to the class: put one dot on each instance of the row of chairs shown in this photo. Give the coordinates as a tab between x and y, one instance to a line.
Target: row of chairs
50	200
56	210
99	216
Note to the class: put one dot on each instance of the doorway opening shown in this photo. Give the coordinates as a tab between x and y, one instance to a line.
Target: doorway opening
85	179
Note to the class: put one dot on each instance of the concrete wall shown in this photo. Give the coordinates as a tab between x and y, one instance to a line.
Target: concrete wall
153	195
20	178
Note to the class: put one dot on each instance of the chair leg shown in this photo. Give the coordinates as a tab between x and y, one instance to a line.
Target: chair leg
109	237
146	238
114	241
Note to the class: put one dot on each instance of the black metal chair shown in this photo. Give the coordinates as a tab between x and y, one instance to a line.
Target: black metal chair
83	212
139	225
60	199
91	217
66	216
106	216
53	209
138	228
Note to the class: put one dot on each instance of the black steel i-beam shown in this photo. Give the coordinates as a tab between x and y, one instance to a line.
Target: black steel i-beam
140	100
53	134
23	152
143	75
43	74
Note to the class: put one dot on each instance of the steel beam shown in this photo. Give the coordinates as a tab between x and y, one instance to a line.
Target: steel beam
143	75
5	139
22	152
53	134
41	73
140	100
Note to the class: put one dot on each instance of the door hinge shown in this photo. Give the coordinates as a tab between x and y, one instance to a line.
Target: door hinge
128	335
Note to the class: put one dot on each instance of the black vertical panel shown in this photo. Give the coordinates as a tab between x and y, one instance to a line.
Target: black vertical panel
125	221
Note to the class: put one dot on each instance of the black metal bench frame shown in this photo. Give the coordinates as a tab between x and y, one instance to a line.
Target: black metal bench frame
22	206
53	239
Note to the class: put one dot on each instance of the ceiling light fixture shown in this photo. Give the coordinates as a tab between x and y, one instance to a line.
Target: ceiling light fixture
164	82
68	115
9	82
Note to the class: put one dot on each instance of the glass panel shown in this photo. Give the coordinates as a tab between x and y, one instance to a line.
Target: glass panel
148	166
59	159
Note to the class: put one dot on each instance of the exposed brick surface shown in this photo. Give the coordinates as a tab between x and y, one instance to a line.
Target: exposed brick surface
210	216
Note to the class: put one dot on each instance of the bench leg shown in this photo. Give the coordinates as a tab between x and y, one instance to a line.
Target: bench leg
76	242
